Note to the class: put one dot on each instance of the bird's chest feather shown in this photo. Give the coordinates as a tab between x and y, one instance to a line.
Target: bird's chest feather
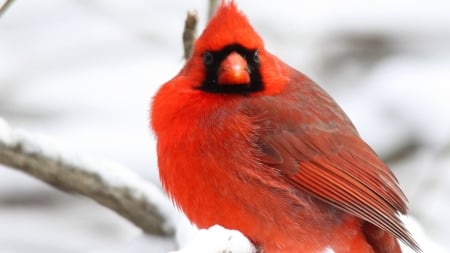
202	162
210	167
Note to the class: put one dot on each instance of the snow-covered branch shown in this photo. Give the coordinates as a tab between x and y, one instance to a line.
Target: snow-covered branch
109	184
218	239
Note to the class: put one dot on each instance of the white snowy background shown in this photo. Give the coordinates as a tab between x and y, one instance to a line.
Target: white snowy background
83	72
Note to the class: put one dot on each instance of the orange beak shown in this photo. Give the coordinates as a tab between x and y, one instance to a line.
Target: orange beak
233	70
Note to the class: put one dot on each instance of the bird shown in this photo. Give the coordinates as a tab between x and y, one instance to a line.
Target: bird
250	143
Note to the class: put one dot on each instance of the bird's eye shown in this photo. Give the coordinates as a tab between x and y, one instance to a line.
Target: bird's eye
256	57
208	58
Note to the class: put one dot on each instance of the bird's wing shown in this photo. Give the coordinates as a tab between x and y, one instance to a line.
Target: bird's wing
306	137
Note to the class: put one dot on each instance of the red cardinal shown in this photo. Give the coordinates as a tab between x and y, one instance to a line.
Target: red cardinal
250	143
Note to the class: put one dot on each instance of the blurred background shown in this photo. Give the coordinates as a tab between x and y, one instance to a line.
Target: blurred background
84	72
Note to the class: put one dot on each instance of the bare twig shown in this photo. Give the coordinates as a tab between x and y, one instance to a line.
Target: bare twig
109	184
190	27
212	8
5	7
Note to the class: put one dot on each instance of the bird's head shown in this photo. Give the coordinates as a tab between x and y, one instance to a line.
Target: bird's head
229	56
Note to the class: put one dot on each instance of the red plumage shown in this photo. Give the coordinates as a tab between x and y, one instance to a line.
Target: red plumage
247	142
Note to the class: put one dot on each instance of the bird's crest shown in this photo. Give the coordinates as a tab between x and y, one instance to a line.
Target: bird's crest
235	28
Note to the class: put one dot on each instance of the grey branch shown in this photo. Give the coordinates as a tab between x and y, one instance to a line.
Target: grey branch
189	33
107	183
5	7
212	6
190	27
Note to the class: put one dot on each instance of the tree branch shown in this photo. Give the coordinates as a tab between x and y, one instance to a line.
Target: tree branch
107	183
190	27
212	6
189	32
5	7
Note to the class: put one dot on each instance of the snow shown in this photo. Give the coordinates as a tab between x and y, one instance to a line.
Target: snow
217	239
139	243
111	173
5	133
328	250
404	88
83	73
425	242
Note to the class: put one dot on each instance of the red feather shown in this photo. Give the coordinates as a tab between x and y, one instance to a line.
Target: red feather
275	158
317	149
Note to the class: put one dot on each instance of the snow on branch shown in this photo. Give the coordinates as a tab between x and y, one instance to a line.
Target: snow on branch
218	239
110	184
